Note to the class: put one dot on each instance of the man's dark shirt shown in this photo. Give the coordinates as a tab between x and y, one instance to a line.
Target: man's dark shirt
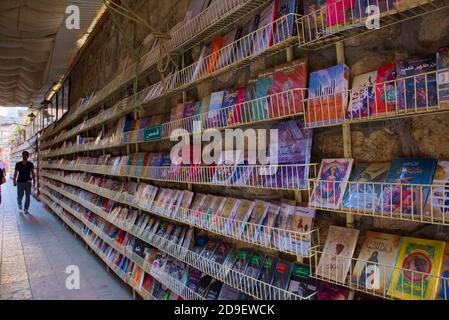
24	171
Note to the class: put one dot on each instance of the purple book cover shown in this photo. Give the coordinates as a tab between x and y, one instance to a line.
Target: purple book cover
443	76
419	89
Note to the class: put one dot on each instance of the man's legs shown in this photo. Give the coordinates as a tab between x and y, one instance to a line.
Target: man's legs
27	195
20	190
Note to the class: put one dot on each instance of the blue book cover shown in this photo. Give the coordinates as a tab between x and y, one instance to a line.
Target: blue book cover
229	99
360	9
443	76
285	28
399	195
216	103
260	106
419	89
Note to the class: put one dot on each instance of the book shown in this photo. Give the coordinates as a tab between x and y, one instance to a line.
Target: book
419	88
214	290
214	116
363	191
240	111
235	225
209	249
260	105
214	57
338	250
339	15
375	261
221	253
228	293
288	88
194	277
252	228
285	20
327	291
199	245
282	273
286	211
314	23
255	265
443	287
442	60
301	284
195	8
328	95
200	66
300	224
331	184
294	147
400	195
245	36
416	269
242	260
362	102
220	218
204	284
266	229
386	91
229	170
438	206
263	37
226	55
229	100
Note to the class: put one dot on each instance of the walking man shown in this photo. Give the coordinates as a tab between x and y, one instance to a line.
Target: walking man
25	171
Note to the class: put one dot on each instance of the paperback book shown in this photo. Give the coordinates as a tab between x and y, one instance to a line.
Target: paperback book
363	96
282	273
337	254
417	84
404	192
363	191
386	89
263	37
301	283
328	95
376	260
331	184
417	267
327	291
443	75
438	206
443	287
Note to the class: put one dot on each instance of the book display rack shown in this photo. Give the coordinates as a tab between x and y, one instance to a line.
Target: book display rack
97	176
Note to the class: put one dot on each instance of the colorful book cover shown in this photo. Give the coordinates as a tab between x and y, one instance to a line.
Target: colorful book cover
327	291
314	23
288	87
239	112
265	234
214	116
229	169
443	74
228	293
438	206
260	105
246	37
268	269
229	100
403	192
236	223
215	55
220	219
339	15
362	103
386	91
443	288
255	265
282	273
419	88
242	261
363	192
375	261
301	283
263	37
337	254
282	222
285	20
194	279
214	289
260	211
228	46
300	224
294	148
221	253
361	6
417	267
331	184
200	65
209	249
328	95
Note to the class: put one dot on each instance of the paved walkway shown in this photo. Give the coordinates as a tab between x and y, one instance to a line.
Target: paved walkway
35	250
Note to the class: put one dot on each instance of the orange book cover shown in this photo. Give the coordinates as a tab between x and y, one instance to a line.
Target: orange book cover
213	58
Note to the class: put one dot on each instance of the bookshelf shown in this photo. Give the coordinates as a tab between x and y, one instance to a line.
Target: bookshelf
61	160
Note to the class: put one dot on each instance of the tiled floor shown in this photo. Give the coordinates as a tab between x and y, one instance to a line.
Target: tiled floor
35	251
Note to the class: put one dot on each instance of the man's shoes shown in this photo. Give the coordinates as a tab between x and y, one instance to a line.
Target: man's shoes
26	211
20	207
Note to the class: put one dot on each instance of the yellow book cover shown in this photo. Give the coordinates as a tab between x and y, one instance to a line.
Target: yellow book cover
443	286
418	265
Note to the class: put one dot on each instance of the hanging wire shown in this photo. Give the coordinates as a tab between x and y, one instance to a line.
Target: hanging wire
162	66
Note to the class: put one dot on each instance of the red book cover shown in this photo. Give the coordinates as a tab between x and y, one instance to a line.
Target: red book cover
386	89
237	114
213	58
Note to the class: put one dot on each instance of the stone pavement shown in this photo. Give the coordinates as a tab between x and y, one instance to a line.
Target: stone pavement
35	250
